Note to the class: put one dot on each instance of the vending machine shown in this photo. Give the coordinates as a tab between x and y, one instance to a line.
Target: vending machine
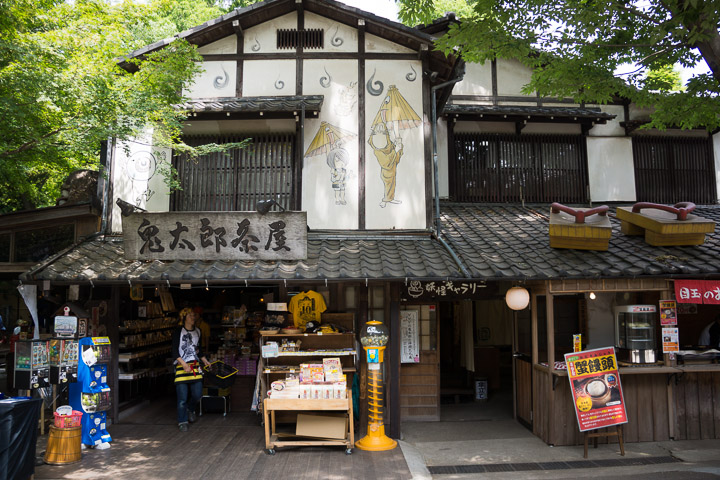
91	393
31	364
63	360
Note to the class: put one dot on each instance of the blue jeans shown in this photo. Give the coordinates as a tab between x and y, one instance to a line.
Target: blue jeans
183	404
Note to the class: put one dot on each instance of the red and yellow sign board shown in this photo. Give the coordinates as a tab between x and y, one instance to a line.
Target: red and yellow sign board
596	390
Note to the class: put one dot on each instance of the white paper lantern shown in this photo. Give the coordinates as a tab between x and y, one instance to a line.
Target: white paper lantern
517	298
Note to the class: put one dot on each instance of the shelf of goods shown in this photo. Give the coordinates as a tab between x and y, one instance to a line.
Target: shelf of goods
144	346
294	350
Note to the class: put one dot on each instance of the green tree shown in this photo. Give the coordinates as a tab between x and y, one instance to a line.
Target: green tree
62	91
574	48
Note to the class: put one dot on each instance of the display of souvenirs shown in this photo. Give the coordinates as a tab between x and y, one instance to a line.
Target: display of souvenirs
306	307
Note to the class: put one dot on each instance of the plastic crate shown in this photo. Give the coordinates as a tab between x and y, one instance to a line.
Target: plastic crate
68	421
220	374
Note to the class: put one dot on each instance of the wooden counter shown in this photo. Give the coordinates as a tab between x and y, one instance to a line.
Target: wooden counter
662	402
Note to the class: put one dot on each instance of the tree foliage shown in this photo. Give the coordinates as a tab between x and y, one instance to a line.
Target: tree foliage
575	47
62	92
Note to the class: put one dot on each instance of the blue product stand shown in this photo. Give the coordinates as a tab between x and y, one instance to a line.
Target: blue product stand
91	393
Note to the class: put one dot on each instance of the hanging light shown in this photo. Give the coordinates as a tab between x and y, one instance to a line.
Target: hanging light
517	298
592	296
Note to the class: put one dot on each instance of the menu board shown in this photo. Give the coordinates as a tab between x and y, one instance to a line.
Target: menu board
668	312
409	337
596	390
670	340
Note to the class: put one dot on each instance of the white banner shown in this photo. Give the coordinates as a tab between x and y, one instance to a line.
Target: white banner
29	294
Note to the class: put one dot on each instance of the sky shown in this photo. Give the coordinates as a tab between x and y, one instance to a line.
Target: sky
389	9
381	8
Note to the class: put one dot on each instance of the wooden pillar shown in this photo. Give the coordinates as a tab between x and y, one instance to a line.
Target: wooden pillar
393	367
112	325
670	385
362	314
549	312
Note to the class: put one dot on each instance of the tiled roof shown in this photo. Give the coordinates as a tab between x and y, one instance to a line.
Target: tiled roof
493	242
254	104
511	242
101	259
524	111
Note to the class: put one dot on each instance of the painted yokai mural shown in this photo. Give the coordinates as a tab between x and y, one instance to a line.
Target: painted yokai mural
395	114
394	146
329	140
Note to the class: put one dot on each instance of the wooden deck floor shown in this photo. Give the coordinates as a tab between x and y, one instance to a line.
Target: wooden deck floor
148	445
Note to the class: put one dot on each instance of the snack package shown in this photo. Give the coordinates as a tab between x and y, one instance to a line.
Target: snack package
332	369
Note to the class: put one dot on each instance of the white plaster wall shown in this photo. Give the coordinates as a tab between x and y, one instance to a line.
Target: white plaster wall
217	79
410	175
224	45
137	177
610	169
221	127
511	77
716	151
376	44
268	78
263	38
477	80
337	81
612	128
442	153
338	36
601	322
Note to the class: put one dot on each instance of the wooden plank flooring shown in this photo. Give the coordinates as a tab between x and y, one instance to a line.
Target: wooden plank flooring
148	445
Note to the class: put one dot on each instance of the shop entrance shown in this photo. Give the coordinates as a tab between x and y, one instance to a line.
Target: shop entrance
231	318
476	361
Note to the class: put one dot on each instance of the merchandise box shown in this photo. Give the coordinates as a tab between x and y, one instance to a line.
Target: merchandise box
321	426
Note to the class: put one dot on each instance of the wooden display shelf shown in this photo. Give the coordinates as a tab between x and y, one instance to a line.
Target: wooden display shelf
272	439
316	353
297	369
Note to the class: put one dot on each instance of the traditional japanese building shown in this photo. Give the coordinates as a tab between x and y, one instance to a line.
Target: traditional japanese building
342	191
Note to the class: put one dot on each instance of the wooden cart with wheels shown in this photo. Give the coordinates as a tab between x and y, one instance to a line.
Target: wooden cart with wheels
296	404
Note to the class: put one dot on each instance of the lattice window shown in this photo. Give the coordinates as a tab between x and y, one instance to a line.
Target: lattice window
293	38
237	180
514	168
674	169
38	244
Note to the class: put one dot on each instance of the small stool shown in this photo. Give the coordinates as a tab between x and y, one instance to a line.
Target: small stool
63	446
225	400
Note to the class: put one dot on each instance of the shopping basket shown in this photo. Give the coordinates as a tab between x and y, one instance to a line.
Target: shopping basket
219	374
68	421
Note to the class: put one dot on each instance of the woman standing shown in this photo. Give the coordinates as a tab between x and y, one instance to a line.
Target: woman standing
188	373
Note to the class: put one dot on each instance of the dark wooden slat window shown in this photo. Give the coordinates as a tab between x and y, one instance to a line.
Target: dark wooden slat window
674	169
237	180
292	38
514	168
